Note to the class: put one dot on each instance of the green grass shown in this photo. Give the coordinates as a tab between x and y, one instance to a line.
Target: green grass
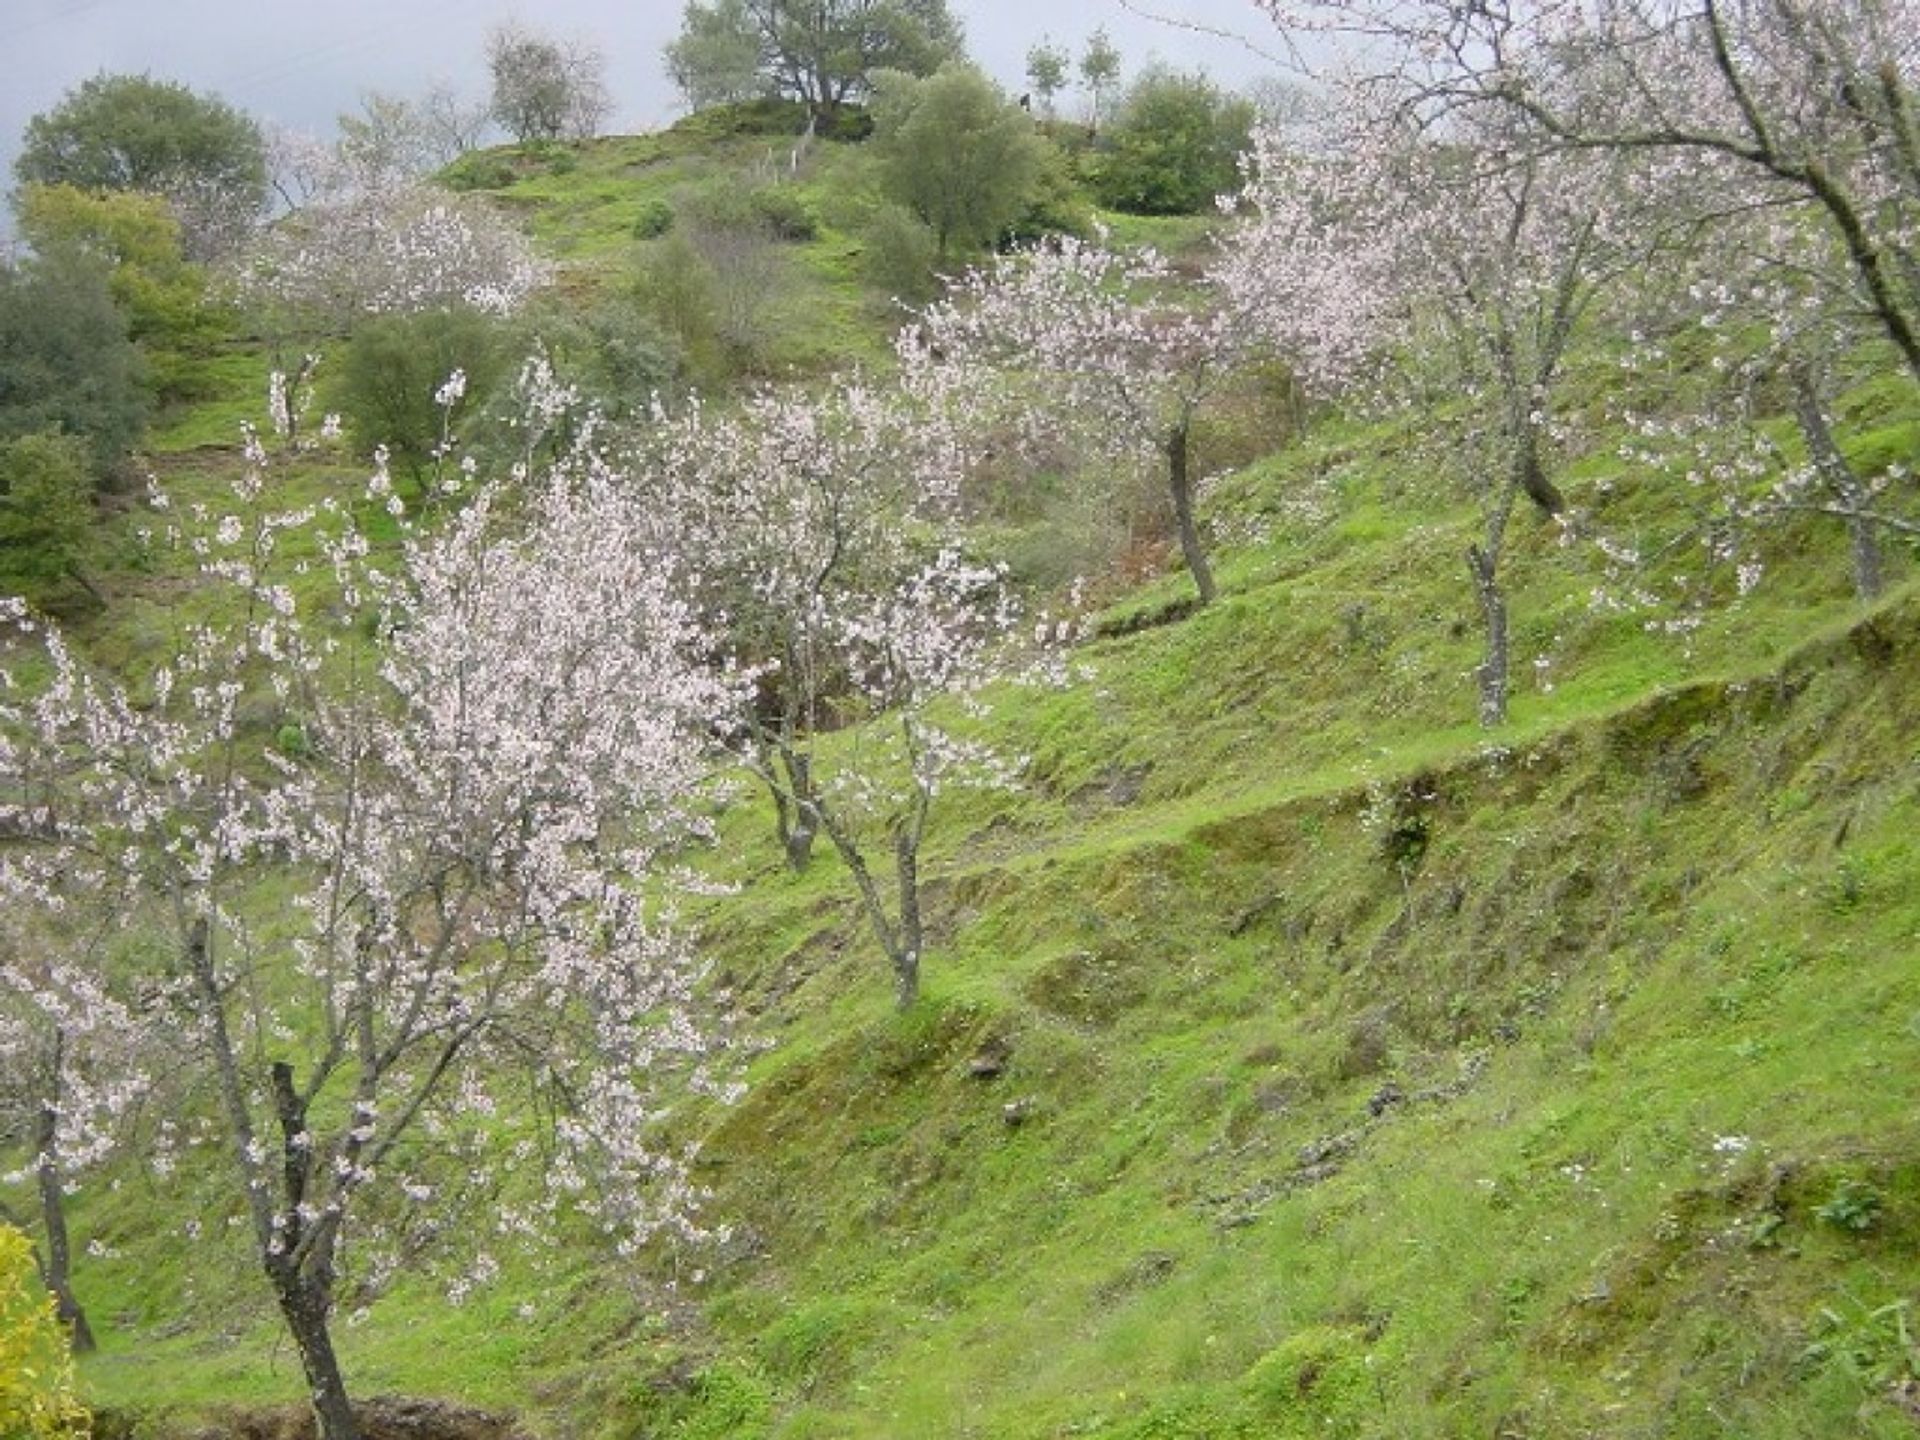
240	379
1138	1239
1647	1014
592	205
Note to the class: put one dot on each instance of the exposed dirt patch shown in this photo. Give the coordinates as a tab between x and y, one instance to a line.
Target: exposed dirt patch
385	1417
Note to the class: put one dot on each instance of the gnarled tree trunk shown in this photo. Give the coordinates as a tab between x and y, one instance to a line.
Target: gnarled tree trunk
795	809
299	1263
1839	476
1180	484
58	1270
307	1304
1494	665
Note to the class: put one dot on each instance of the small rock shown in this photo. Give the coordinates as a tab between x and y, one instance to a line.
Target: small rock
1331	1148
1015	1113
990	1061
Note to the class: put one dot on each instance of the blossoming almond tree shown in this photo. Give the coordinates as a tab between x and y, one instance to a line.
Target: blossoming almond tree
941	635
1812	102
72	1067
1375	239
464	811
1732	383
812	524
1776	142
1099	345
395	247
793	508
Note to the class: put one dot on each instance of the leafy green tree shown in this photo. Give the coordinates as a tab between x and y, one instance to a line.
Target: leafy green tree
133	132
394	368
1057	202
1175	145
1047	73
46	514
1099	71
823	53
66	364
898	255
716	58
956	153
164	296
614	352
36	1376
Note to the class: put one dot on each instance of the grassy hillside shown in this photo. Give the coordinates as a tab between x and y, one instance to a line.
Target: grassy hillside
1296	1058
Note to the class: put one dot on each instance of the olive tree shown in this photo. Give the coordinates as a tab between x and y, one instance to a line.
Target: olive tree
46	515
955	152
823	53
66	362
716	58
169	303
1173	146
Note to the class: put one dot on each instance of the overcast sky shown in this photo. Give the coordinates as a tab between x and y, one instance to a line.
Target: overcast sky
300	63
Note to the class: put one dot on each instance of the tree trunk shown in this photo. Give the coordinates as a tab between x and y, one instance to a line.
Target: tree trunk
306	1304
910	934
905	960
1180	483
1837	472
783	825
1533	475
799	829
1492	673
1865	543
53	1216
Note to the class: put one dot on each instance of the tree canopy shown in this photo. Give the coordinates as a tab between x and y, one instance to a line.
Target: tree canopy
165	297
66	364
1047	72
46	513
544	89
133	132
1174	146
956	153
716	60
820	52
1099	71
469	952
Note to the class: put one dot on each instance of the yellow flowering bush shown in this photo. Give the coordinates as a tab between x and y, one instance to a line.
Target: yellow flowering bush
36	1373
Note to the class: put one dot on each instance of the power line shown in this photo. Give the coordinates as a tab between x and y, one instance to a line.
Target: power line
1197	28
66	12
